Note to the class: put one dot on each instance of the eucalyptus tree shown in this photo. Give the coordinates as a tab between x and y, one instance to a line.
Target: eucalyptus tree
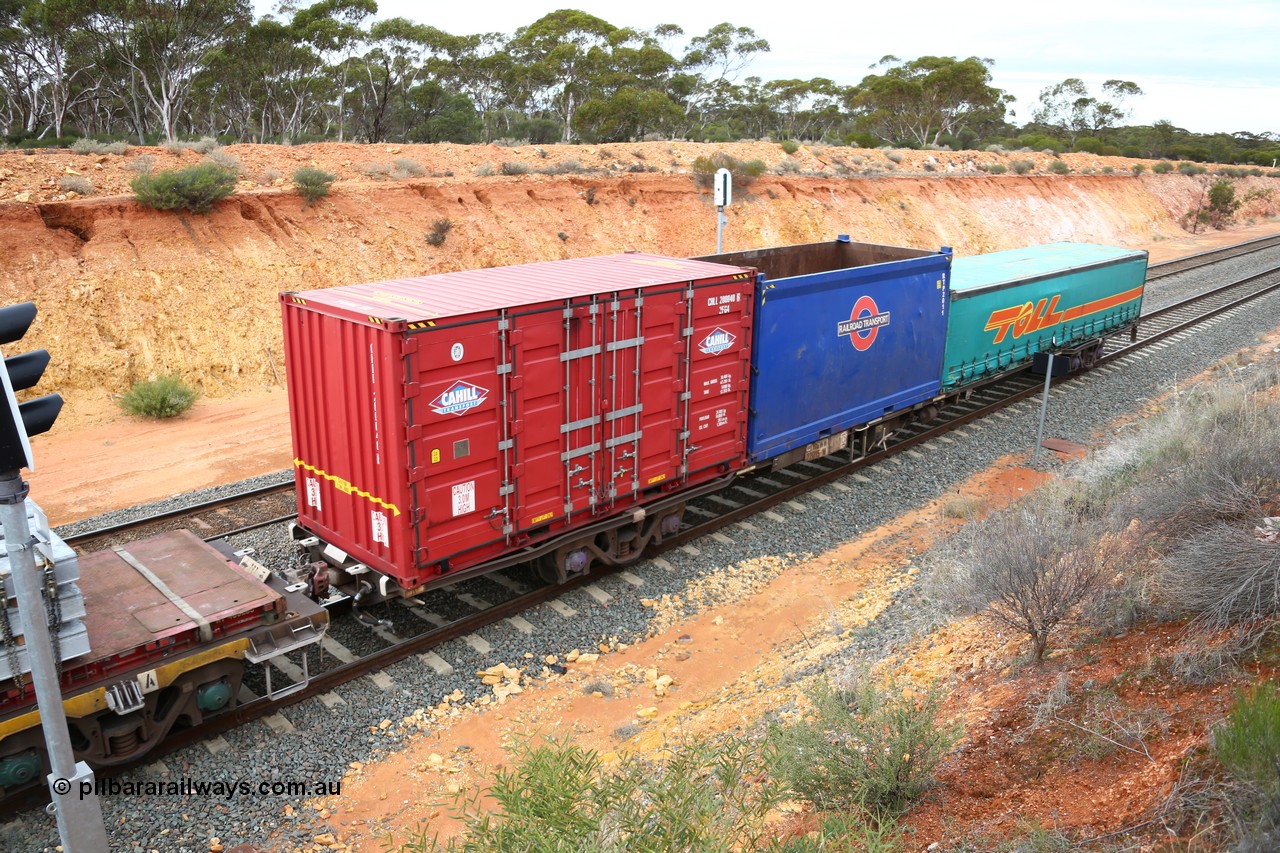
335	29
917	102
803	109
629	92
1069	107
557	58
164	44
481	68
384	75
713	62
44	54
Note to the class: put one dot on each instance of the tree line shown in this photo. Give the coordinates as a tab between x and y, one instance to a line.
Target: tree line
156	70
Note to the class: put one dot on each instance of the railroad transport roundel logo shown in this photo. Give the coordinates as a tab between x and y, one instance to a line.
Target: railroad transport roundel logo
717	342
460	398
863	324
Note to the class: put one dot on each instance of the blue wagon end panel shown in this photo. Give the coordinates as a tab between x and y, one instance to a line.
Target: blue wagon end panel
846	334
1008	306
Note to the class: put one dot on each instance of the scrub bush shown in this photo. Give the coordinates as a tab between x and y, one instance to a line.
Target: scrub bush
561	798
311	183
75	184
439	230
162	397
1248	741
863	748
86	145
744	172
195	188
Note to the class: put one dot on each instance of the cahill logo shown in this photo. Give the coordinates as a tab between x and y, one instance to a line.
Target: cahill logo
863	324
461	397
717	342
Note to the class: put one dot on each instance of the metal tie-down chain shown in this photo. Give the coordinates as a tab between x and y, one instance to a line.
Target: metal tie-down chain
11	648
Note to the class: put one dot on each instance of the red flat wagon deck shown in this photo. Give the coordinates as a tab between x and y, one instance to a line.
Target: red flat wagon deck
441	422
171	623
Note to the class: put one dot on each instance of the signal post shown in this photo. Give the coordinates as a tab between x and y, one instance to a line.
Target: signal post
79	817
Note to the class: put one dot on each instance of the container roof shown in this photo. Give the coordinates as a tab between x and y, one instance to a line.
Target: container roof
1031	262
455	294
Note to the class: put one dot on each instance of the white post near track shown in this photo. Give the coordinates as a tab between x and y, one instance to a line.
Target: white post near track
1044	403
723	197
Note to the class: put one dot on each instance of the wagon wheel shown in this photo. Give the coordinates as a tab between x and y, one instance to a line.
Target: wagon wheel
550	568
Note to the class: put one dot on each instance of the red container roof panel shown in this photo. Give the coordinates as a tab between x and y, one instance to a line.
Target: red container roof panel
457	294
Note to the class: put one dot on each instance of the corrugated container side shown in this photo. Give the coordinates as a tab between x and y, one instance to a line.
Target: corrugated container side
346	399
846	333
1007	306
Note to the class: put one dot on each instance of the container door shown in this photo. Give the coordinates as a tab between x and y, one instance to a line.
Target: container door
661	373
536	410
456	423
718	358
621	397
580	423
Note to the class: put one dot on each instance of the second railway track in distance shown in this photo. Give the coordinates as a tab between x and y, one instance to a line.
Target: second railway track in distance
214	518
1213	256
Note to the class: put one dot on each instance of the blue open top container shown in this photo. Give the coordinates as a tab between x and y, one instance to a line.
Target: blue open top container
845	333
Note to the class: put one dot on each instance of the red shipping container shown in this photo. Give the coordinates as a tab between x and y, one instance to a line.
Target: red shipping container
440	423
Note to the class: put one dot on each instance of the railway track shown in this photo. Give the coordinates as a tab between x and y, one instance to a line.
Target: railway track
1213	256
416	626
215	518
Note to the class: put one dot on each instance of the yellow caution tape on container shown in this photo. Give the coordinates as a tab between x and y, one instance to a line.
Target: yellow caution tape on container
346	487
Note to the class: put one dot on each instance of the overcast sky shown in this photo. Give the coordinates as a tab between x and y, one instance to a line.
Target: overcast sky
1205	66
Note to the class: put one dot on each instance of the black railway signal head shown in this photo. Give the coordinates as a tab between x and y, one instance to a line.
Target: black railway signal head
19	421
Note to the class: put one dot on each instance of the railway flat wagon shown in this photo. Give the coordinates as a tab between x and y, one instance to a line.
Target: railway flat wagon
1006	307
849	337
452	422
171	623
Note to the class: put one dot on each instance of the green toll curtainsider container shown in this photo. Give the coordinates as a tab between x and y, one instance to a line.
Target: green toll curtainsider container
1061	297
